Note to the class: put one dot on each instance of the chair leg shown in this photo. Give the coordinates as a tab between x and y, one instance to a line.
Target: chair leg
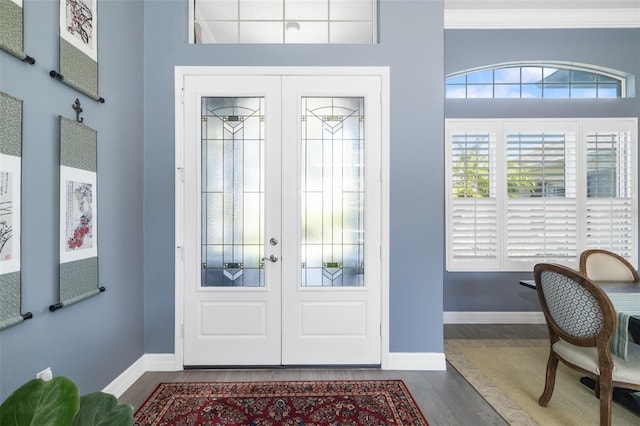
606	394
550	380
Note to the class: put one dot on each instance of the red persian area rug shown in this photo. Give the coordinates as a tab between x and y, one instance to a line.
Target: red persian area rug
309	403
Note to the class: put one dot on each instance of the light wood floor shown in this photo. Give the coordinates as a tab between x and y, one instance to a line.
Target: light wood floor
444	397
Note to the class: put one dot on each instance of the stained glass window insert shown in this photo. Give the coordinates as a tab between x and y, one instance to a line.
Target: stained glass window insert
332	191
232	193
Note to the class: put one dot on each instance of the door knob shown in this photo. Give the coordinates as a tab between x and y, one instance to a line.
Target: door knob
272	258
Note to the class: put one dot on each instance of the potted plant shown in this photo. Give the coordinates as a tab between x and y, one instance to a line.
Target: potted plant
57	402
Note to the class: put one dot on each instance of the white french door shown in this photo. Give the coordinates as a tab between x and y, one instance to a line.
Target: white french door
280	210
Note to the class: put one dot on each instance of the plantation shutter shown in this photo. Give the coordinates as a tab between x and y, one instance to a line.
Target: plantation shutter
525	191
473	215
541	205
609	218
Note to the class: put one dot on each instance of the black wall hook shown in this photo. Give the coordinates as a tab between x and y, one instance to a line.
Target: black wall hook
78	110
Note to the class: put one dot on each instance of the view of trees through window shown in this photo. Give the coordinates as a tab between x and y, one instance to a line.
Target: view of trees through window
527	174
522	191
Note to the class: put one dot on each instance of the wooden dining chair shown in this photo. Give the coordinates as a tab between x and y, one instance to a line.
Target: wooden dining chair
604	265
581	321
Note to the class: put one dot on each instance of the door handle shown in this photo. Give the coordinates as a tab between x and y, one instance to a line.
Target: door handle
273	258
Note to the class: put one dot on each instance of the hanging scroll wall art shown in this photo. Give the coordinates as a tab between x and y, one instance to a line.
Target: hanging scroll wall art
79	47
12	30
10	190
78	212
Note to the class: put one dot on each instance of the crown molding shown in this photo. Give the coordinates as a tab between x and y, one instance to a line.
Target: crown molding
541	18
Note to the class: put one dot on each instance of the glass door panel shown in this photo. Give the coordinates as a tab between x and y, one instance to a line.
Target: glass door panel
233	177
332	191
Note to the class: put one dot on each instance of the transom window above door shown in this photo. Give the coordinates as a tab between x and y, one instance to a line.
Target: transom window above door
283	21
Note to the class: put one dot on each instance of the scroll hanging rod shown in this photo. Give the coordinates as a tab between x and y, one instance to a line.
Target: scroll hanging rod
61	305
56	75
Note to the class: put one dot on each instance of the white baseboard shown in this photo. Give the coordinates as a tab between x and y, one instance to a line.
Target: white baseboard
160	362
166	362
121	383
147	362
425	361
465	317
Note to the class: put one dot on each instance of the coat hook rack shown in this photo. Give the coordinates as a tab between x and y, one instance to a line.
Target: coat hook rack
78	110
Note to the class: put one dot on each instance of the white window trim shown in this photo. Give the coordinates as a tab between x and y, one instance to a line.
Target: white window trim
497	126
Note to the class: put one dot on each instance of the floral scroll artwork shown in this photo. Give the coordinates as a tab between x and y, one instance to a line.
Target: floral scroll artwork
78	236
9	215
79	47
6	216
10	211
79	216
78	213
78	25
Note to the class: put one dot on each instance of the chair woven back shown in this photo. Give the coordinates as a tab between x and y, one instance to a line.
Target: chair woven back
575	308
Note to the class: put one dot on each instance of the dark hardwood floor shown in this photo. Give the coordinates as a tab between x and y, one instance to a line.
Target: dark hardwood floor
495	331
444	397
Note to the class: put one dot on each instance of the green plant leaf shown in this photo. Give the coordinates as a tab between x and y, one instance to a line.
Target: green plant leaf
51	403
100	408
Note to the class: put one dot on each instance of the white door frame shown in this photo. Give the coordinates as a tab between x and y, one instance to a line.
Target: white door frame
181	72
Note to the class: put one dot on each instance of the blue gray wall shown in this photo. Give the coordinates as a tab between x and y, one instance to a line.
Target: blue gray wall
140	44
91	342
464	49
411	44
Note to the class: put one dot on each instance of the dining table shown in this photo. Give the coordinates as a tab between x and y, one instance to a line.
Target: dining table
625	298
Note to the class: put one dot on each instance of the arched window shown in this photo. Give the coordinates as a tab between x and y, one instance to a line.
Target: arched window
538	80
